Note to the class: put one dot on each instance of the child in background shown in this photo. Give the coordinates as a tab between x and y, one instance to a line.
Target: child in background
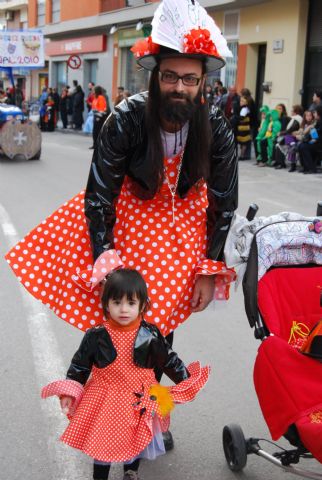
120	413
268	142
243	128
265	119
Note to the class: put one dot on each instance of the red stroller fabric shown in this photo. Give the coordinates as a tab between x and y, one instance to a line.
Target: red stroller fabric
288	383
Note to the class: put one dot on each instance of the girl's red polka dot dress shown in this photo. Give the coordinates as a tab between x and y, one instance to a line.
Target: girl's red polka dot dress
114	418
54	261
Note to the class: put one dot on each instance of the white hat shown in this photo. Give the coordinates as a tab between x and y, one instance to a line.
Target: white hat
184	27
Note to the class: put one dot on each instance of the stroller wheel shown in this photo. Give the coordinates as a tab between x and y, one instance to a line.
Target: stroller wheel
235	447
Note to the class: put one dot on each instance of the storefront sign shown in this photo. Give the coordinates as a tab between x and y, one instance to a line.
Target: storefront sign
22	49
96	43
127	38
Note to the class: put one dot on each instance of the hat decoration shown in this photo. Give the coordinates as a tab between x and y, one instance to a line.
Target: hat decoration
184	27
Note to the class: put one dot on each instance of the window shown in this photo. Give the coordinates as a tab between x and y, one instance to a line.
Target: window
132	78
231	33
55	11
41	13
231	65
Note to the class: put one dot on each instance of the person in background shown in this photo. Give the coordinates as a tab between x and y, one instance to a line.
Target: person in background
265	119
100	110
268	142
63	107
243	129
303	134
230	106
119	96
56	98
286	140
210	96
316	100
90	96
78	108
308	150
283	117
253	121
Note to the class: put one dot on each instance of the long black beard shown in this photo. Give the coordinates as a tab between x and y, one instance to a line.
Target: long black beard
175	112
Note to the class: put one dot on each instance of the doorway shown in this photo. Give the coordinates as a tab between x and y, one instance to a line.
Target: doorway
260	76
313	62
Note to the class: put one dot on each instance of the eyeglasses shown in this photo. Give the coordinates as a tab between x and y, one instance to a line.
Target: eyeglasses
172	78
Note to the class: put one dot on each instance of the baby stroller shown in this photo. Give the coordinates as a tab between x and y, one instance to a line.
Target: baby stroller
282	287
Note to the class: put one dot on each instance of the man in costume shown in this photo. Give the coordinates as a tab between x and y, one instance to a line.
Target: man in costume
161	192
131	164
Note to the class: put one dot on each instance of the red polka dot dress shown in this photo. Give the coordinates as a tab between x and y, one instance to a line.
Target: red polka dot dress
108	425
116	417
55	263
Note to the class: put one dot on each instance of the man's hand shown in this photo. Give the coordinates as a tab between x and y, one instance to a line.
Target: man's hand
203	292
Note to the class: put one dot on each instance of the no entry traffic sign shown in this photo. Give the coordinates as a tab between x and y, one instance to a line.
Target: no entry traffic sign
74	62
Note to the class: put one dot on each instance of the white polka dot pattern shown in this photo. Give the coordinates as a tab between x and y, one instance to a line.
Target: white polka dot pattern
57	253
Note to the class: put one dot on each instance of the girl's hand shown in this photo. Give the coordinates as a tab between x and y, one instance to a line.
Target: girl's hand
66	403
203	292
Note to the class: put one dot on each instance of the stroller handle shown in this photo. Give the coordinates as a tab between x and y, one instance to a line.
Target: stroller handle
252	210
319	209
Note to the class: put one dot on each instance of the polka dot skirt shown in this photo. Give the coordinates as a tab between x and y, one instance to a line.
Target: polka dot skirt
50	260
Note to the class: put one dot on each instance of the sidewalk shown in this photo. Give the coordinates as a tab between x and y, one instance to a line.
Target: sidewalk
59	128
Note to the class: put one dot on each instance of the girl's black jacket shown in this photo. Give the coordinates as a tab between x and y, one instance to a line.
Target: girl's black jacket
121	151
151	350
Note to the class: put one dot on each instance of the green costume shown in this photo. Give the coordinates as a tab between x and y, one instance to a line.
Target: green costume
262	130
273	130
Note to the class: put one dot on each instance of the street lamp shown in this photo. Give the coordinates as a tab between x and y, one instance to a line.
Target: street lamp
139	26
113	29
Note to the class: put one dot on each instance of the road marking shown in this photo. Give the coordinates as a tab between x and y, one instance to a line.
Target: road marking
49	366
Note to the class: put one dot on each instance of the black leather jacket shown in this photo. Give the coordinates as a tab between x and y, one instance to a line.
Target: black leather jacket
122	151
151	350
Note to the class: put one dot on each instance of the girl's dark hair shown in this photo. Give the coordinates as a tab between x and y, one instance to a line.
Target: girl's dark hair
196	156
126	282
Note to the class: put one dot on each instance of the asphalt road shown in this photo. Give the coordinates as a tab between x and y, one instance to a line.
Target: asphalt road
36	347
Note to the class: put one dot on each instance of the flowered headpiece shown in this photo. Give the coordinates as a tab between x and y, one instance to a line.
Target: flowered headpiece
184	27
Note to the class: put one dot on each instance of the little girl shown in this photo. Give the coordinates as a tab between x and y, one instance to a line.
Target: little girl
116	408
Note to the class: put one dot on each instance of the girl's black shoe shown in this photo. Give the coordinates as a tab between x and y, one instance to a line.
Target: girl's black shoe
168	440
293	168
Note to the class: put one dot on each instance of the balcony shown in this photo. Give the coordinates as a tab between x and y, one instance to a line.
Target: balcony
110	5
12	4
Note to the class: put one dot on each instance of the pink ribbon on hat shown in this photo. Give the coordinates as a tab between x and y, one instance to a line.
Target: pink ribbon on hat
107	262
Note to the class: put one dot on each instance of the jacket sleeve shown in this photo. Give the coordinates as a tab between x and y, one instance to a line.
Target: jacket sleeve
169	362
83	360
222	185
107	172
